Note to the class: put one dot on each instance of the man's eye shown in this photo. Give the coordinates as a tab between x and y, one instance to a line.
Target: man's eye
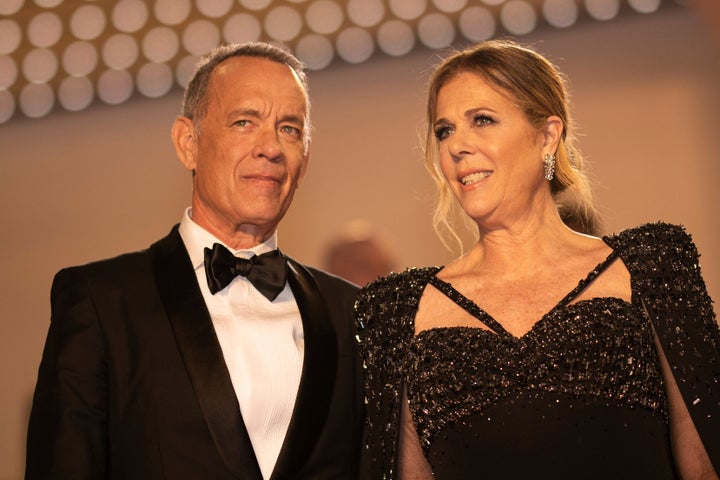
288	130
242	123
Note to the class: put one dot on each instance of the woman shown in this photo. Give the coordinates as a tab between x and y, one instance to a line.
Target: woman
541	352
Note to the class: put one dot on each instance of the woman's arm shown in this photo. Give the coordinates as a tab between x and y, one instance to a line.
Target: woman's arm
412	464
691	459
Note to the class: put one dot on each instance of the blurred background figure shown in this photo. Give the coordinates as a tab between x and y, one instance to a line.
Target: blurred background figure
359	252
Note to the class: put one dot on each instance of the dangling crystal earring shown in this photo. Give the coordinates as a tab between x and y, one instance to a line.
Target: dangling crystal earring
549	165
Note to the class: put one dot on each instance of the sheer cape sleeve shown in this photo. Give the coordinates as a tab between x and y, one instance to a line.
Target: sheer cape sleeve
385	318
666	280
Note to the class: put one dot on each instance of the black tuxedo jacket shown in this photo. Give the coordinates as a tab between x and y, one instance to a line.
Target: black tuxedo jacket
133	384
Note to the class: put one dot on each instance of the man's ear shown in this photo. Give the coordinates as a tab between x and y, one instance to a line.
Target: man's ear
303	168
184	138
552	133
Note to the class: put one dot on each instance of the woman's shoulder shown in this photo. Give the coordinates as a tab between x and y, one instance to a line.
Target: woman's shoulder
650	236
412	277
399	283
660	246
393	289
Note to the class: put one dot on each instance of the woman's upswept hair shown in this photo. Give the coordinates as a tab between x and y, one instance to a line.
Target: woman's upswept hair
539	90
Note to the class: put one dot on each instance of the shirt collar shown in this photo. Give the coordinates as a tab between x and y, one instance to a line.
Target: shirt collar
197	238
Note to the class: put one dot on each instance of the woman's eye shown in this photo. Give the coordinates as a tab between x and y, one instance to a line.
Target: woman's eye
483	120
441	133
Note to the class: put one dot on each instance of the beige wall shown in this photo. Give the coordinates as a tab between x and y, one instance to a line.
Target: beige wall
78	187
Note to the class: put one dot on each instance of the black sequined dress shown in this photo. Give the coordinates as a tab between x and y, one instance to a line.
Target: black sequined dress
578	396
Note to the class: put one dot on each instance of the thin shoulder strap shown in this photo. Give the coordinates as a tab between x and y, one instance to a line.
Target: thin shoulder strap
585	282
468	305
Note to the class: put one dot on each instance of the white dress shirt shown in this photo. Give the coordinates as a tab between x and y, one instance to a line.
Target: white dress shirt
262	343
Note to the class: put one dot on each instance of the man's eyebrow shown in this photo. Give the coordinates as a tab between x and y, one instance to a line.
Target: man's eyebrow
249	112
293	119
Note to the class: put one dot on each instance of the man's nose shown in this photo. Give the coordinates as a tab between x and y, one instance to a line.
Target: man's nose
267	145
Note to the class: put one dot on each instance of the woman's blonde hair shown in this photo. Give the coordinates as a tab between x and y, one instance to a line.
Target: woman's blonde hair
539	90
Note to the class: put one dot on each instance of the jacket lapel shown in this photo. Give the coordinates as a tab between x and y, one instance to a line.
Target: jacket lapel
202	354
318	374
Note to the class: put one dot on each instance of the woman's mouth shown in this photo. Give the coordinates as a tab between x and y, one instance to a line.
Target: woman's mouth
475	177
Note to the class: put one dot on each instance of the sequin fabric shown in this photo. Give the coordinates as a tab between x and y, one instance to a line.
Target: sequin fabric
597	348
600	349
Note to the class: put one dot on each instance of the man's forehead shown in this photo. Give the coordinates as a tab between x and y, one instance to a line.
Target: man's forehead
257	74
254	68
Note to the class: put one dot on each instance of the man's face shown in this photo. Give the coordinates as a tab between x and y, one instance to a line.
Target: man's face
248	151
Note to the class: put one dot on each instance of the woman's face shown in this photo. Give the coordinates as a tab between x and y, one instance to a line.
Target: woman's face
489	153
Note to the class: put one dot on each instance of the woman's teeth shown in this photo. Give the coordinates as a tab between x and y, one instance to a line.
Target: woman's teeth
474	177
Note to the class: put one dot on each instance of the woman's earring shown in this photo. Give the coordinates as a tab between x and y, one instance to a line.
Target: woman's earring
549	165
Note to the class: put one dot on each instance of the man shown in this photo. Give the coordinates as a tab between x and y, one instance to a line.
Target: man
160	364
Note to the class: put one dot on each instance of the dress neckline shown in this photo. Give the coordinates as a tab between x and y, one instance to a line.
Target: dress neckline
485	318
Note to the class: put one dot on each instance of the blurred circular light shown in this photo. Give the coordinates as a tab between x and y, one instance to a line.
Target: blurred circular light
115	86
477	23
48	3
450	6
315	51
7	106
241	28
255	4
160	44
214	8
365	13
11	37
130	15
355	45
436	30
518	17
200	37
8	72
44	30
283	23
80	58
602	9
40	65
75	93
324	16
560	13
172	12
87	22
120	51
492	2
36	100
645	6
395	38
185	69
10	7
154	80
408	9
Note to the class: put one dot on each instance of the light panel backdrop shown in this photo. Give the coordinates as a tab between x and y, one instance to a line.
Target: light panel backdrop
79	186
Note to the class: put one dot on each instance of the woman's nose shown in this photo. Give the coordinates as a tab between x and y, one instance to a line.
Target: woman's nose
459	145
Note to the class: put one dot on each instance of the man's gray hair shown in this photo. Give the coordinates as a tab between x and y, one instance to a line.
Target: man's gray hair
195	100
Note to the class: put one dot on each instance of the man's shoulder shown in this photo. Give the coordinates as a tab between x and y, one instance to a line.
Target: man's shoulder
325	280
121	264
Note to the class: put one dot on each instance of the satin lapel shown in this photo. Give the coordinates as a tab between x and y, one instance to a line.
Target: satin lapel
318	374
202	354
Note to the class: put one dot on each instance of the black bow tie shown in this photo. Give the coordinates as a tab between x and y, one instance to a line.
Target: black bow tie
267	272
